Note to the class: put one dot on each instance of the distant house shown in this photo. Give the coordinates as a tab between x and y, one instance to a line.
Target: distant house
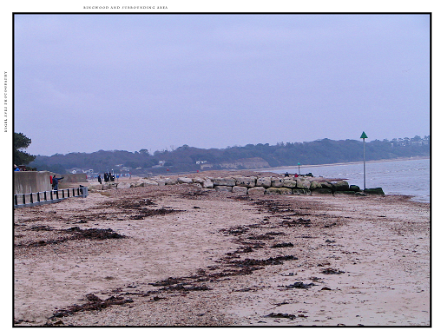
160	164
205	166
75	170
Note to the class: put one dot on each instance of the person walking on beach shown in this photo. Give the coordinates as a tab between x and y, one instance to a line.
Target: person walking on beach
56	182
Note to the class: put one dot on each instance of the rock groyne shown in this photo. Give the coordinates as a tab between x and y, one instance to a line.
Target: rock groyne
258	185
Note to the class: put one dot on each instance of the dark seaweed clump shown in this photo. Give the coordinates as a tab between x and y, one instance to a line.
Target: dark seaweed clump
93	303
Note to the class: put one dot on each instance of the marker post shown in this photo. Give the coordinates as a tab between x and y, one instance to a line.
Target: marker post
364	136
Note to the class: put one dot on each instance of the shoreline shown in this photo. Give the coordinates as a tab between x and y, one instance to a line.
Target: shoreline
421	198
224	260
266	169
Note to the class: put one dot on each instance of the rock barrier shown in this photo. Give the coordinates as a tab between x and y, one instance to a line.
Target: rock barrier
257	185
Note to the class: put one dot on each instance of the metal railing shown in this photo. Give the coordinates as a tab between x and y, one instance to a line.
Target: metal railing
47	197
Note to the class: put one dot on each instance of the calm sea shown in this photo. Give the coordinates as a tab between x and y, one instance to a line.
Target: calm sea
403	177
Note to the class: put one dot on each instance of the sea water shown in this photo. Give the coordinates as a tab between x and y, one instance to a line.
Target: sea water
401	177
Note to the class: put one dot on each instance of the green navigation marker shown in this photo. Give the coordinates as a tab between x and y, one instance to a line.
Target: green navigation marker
364	136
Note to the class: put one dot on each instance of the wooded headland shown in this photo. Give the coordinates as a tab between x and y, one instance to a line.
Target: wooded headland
250	156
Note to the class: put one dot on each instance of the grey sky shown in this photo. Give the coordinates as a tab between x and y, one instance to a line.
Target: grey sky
127	82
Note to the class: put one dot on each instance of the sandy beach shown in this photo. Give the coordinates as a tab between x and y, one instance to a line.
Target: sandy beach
180	255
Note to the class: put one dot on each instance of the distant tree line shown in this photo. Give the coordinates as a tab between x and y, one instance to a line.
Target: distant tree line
186	158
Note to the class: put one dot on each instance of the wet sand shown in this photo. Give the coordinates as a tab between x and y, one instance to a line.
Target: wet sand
178	255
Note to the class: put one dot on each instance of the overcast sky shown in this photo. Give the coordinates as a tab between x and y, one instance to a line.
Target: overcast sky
128	82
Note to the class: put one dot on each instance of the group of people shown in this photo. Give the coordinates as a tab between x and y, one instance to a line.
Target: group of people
20	168
107	177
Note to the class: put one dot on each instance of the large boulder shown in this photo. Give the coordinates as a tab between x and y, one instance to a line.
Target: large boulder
374	191
161	182
245	181
198	180
257	191
146	182
224	182
327	185
355	188
207	183
223	188
341	185
277	182
322	191
289	183
239	190
182	180
263	182
315	185
301	191
303	183
278	191
170	181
